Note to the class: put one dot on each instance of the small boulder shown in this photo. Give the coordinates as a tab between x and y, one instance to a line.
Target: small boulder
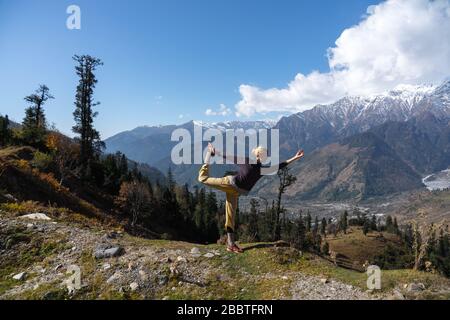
324	280
415	287
105	251
143	275
10	197
113	235
163	280
166	260
36	216
134	286
397	295
20	276
114	277
209	255
195	251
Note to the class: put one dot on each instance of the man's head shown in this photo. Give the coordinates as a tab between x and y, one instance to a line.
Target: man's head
260	153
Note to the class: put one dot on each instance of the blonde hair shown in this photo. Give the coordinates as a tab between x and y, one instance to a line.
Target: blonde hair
260	152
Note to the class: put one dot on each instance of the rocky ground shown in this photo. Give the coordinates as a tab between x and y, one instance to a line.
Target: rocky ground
37	252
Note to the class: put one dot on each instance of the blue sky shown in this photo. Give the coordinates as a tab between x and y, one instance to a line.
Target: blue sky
164	58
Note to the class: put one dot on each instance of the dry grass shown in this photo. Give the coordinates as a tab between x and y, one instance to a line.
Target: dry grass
359	247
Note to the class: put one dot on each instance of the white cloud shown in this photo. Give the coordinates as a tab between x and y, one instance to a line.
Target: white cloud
222	111
397	42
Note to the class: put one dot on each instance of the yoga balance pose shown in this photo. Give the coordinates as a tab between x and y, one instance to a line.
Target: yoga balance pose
239	184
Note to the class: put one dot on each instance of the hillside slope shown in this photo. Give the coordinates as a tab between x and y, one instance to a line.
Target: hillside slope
155	269
357	168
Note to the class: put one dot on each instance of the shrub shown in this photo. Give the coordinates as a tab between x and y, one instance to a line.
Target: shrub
41	161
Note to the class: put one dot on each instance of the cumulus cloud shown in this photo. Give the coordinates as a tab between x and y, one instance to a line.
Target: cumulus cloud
222	111
396	42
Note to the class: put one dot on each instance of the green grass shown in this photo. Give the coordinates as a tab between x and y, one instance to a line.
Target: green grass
359	247
30	249
261	272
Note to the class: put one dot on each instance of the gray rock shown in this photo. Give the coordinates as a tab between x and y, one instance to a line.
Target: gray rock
10	197
195	251
415	287
105	251
163	280
20	276
36	216
181	259
134	286
208	255
114	277
397	295
143	275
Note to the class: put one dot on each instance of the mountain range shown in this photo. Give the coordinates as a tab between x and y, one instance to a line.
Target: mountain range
357	147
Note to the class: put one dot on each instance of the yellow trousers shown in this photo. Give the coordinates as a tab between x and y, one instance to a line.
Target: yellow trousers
222	184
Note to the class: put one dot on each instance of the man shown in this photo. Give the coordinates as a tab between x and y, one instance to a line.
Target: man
239	184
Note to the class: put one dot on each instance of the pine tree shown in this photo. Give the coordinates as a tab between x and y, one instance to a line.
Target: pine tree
325	248
210	223
444	244
308	222
253	230
389	224
373	223
316	225
417	246
299	239
431	243
89	138
5	131
395	226
343	223
34	125
200	209
366	227
286	180
323	227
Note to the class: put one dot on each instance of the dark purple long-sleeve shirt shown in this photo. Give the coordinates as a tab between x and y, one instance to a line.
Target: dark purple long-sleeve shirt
250	173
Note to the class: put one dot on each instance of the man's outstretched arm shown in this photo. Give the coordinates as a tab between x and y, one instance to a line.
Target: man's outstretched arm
300	154
284	164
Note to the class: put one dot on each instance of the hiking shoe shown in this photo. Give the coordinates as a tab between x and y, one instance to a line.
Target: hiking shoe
234	248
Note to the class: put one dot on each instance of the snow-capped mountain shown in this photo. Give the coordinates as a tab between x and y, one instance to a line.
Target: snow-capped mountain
324	124
258	124
310	129
152	144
